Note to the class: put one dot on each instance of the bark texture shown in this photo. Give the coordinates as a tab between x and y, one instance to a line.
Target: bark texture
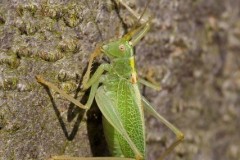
192	50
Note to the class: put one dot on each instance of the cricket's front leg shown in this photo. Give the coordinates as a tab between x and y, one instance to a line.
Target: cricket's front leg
149	84
86	76
87	81
138	33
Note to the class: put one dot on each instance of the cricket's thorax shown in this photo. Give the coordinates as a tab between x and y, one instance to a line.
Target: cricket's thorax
125	68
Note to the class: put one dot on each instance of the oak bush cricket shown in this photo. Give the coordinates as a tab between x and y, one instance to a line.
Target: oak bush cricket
115	87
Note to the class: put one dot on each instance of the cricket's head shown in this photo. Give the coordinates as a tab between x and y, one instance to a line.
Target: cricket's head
118	49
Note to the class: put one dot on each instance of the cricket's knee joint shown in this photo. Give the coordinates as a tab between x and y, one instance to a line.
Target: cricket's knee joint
148	24
39	78
139	157
87	107
180	136
83	87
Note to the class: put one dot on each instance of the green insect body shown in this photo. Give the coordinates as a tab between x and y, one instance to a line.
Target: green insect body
122	93
119	98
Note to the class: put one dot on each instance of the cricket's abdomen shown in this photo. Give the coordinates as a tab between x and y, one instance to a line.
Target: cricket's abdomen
127	100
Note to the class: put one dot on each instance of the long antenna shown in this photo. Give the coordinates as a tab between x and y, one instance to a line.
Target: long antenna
145	8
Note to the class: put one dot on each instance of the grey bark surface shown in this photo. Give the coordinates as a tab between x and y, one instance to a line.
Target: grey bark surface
192	50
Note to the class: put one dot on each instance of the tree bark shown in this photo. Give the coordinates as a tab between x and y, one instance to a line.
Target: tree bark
191	49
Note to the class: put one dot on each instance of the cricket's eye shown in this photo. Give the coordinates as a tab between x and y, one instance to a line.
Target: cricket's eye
122	48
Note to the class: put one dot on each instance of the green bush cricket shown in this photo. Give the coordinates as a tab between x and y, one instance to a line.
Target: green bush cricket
118	97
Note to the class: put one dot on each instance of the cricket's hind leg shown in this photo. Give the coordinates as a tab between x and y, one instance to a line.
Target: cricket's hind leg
179	135
88	158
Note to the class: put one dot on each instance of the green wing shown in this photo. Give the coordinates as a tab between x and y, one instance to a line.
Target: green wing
112	115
